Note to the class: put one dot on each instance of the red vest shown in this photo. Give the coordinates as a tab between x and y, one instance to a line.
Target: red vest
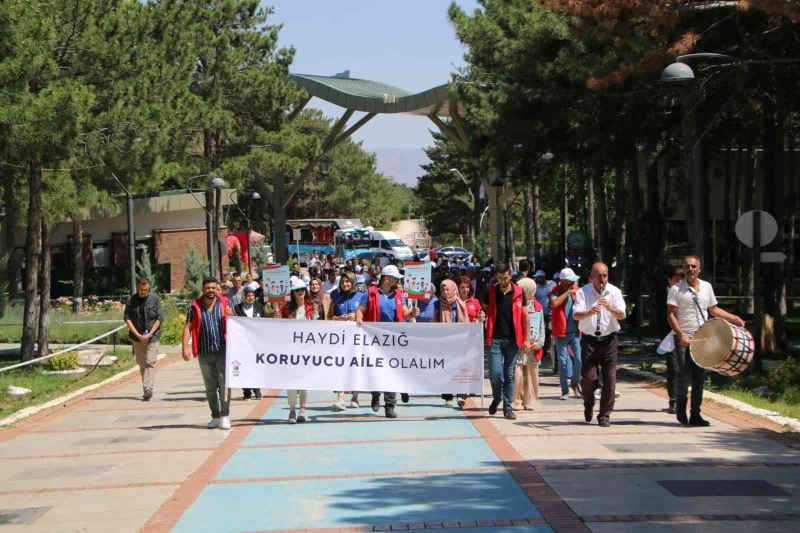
197	321
558	315
517	313
373	313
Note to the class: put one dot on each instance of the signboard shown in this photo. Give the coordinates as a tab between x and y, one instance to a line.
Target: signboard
417	280
275	283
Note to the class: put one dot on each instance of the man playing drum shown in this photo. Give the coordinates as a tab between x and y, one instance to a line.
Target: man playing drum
690	303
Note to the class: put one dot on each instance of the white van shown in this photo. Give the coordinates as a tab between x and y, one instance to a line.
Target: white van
387	241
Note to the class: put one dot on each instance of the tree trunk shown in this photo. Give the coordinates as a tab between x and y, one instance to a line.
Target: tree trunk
604	248
77	265
653	250
791	209
537	222
749	191
726	216
528	216
10	230
33	248
44	291
633	281
564	224
591	232
619	225
775	203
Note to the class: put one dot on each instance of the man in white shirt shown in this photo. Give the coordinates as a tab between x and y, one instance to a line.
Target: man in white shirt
690	304
599	307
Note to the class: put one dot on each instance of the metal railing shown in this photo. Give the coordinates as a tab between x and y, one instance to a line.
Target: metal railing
43	358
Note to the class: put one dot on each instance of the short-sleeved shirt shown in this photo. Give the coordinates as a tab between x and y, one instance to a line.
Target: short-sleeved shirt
211	337
388	311
344	304
504	321
690	317
541	294
235	295
605	322
143	312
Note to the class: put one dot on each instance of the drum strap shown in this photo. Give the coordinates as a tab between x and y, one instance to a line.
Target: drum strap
697	304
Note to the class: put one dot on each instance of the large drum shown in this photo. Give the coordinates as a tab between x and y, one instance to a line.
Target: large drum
721	347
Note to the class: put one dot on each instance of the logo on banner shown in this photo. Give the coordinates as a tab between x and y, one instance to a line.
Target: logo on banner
465	368
236	366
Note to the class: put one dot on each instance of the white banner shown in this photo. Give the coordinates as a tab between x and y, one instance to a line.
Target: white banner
327	355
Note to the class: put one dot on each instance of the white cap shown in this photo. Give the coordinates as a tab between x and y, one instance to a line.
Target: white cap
569	274
298	283
539	274
391	270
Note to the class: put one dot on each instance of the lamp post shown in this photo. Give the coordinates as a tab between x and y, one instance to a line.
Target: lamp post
471	195
131	235
253	196
681	72
216	183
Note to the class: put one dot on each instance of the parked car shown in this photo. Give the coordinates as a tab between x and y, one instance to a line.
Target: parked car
453	253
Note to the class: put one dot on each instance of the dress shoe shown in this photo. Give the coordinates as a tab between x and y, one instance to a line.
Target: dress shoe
671	409
404	397
588	412
493	407
680	412
604	422
509	415
699	421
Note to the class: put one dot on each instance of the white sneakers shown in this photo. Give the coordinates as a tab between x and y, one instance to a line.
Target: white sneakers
340	406
564	397
221	423
354	404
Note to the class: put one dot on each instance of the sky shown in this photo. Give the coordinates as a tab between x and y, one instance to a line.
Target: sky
406	43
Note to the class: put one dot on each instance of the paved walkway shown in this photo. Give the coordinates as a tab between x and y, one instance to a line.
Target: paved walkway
109	462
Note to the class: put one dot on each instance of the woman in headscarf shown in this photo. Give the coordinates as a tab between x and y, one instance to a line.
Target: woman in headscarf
316	295
448	309
345	300
526	378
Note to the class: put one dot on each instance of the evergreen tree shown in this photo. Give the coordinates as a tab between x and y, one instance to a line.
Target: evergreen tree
196	270
144	269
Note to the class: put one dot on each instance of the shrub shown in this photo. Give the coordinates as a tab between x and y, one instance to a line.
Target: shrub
172	329
144	268
64	361
791	396
785	376
196	270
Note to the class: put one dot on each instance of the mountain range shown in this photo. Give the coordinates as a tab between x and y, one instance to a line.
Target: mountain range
401	164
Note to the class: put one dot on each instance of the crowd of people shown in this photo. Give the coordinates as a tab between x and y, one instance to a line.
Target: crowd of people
525	314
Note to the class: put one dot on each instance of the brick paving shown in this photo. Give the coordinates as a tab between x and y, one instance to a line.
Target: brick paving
109	462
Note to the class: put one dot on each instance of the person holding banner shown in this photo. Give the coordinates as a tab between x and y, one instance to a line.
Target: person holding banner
527	372
467	293
506	332
206	322
299	307
450	308
344	304
384	303
250	307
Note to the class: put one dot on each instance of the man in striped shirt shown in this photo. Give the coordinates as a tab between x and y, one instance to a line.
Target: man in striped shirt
205	327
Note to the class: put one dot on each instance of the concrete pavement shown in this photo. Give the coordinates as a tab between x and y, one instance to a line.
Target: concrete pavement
111	462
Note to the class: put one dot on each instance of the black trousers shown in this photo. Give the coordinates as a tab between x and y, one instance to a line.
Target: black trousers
599	361
688	372
672	375
389	398
449	397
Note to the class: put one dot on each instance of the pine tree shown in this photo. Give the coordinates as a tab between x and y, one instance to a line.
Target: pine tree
196	270
144	269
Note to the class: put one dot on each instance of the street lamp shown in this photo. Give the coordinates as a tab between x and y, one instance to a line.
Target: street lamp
216	183
469	189
131	236
253	196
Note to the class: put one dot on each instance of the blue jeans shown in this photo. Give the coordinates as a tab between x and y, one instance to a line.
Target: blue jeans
501	371
568	366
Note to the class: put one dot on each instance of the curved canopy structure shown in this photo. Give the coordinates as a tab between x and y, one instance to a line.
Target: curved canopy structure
376	97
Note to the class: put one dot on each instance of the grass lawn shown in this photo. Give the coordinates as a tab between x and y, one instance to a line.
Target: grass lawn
778	405
47	387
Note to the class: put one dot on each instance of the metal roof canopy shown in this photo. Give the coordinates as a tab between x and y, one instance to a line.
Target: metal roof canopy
372	98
